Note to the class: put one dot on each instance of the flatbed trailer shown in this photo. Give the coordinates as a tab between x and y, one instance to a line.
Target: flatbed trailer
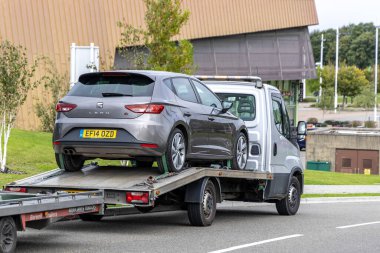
21	210
146	188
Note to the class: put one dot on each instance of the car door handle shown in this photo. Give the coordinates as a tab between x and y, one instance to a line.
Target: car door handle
274	149
187	114
211	118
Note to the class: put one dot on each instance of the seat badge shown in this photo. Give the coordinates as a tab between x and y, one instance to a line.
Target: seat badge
99	105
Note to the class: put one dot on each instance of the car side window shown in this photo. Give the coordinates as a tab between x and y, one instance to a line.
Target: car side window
184	89
206	96
280	117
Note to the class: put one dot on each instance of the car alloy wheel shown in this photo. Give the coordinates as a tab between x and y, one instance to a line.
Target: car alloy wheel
178	151
242	151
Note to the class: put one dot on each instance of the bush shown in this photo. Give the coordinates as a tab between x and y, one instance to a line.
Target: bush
309	100
57	86
370	124
312	121
357	123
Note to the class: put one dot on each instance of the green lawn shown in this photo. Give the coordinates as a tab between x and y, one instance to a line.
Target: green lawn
313	177
32	153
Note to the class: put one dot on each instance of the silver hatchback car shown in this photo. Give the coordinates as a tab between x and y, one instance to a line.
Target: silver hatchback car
147	116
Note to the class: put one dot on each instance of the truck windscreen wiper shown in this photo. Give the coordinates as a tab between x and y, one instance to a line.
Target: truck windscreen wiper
112	94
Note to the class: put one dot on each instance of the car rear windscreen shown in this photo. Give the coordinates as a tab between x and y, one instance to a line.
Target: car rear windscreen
113	84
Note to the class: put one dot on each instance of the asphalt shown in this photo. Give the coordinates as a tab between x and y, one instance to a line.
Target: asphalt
318	227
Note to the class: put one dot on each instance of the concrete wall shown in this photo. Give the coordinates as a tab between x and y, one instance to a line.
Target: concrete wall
321	145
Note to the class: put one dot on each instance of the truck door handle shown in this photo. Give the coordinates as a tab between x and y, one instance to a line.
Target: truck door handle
275	149
211	118
187	114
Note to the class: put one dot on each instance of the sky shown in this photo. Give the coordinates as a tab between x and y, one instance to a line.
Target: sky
334	13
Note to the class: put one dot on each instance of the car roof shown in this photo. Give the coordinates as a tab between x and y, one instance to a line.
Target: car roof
151	73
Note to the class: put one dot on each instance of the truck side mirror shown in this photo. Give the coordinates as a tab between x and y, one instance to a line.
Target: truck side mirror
301	128
226	106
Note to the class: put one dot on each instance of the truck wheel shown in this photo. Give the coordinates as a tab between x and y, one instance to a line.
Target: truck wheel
8	235
71	163
203	214
90	217
239	162
175	155
290	204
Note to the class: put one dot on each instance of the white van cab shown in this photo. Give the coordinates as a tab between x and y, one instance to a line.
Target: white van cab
273	144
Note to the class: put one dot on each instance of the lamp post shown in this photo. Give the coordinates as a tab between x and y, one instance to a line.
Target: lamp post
321	66
336	71
376	56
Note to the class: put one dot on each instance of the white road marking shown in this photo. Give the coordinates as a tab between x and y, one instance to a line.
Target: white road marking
256	243
361	224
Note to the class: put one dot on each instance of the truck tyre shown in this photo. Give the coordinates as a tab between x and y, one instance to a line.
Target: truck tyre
239	161
8	235
90	217
290	204
203	214
175	155
71	163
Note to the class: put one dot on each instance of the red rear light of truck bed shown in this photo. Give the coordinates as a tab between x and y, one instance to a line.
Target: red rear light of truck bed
64	107
137	197
146	108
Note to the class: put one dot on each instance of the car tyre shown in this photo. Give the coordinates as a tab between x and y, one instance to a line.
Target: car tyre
71	163
175	155
290	204
203	214
240	159
8	235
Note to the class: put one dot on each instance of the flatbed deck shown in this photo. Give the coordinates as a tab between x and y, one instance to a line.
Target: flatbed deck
121	179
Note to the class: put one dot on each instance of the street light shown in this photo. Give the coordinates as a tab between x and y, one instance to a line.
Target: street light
336	70
321	66
376	56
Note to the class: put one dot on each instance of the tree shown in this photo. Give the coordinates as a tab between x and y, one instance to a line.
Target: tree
16	79
366	99
356	44
154	47
327	99
57	85
351	80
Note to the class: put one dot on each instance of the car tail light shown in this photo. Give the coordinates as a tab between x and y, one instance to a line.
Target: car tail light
146	108
64	107
15	189
138	197
56	143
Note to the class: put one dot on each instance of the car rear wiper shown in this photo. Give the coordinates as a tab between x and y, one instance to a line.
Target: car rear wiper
112	94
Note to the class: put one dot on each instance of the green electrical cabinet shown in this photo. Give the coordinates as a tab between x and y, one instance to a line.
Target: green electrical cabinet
318	165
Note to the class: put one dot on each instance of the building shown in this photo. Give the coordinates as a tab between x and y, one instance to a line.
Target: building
241	37
348	150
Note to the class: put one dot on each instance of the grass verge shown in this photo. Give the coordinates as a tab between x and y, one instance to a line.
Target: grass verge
313	177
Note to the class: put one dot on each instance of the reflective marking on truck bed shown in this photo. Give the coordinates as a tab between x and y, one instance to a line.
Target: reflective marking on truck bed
256	243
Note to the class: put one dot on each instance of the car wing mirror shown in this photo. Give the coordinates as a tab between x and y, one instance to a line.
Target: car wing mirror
301	128
226	106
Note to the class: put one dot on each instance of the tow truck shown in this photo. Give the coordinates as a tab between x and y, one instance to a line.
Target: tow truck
274	174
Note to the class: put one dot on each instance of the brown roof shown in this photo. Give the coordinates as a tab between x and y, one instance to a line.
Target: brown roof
48	27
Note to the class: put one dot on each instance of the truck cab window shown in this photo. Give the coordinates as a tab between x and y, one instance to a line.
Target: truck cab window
280	117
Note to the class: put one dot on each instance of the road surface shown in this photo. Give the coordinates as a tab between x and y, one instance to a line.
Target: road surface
332	227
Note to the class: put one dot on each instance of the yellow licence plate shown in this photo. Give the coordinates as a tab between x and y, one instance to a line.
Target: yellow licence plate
98	133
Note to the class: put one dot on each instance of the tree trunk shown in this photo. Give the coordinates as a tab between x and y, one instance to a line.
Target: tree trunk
344	99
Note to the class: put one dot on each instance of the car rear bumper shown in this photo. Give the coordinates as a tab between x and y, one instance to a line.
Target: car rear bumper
114	150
